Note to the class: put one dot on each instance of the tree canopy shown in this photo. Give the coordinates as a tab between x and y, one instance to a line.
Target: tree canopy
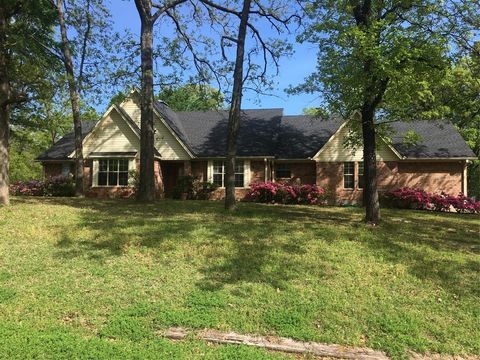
192	97
382	61
187	97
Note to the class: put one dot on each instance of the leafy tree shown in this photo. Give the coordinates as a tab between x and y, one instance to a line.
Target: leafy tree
25	145
192	97
117	98
459	91
149	13
249	72
188	97
74	90
25	65
378	62
86	59
235	106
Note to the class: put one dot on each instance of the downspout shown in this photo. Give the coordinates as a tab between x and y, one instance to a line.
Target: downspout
464	178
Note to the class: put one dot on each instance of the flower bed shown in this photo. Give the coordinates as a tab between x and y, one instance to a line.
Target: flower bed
54	186
421	200
279	193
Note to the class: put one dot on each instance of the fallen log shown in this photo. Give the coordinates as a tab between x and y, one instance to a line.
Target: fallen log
278	344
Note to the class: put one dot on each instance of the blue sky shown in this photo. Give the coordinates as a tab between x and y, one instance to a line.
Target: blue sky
292	70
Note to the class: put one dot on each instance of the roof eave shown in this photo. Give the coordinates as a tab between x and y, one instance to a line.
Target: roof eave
454	158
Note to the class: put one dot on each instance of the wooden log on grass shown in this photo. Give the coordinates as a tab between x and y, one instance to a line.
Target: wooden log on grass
278	344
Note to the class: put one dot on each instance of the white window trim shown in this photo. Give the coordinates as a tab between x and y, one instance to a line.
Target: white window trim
131	166
246	173
353	175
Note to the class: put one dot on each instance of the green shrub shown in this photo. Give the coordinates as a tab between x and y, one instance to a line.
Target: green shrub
194	188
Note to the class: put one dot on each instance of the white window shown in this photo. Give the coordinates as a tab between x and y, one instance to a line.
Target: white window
112	172
218	173
217	170
349	175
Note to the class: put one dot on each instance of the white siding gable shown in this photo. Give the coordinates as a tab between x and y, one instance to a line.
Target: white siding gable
113	134
166	143
334	150
132	108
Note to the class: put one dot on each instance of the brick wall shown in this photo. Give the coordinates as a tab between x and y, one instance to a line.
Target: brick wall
87	173
301	173
257	171
109	192
430	176
199	169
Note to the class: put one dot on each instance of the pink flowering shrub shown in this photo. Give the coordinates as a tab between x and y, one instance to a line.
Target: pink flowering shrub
279	193
54	186
29	188
421	200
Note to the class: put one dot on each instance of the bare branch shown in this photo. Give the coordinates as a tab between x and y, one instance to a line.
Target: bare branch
164	8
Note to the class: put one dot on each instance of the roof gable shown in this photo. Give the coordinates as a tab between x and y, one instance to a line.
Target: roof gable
335	150
115	132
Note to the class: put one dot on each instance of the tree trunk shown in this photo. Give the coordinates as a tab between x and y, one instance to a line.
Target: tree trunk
235	107
370	192
74	99
4	123
146	191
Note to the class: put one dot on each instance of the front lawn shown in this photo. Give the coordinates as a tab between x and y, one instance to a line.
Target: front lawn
99	279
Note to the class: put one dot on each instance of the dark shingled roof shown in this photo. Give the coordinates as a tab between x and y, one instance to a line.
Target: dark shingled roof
207	132
66	145
266	132
302	136
438	139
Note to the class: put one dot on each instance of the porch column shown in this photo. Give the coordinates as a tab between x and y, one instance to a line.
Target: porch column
464	178
273	170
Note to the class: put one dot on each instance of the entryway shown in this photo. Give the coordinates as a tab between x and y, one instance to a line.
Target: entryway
171	172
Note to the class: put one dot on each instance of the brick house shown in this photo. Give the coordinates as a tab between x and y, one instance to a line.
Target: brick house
271	147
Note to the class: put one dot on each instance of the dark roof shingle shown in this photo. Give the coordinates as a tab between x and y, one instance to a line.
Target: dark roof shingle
438	139
207	132
302	136
266	132
66	145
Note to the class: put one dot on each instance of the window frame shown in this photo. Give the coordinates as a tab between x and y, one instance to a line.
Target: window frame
352	174
97	171
213	165
221	173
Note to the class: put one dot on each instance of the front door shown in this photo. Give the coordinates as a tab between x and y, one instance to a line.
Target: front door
170	172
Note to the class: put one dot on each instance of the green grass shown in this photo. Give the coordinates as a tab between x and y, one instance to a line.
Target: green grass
101	279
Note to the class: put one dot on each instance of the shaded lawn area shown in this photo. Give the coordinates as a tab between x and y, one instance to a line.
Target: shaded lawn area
100	279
